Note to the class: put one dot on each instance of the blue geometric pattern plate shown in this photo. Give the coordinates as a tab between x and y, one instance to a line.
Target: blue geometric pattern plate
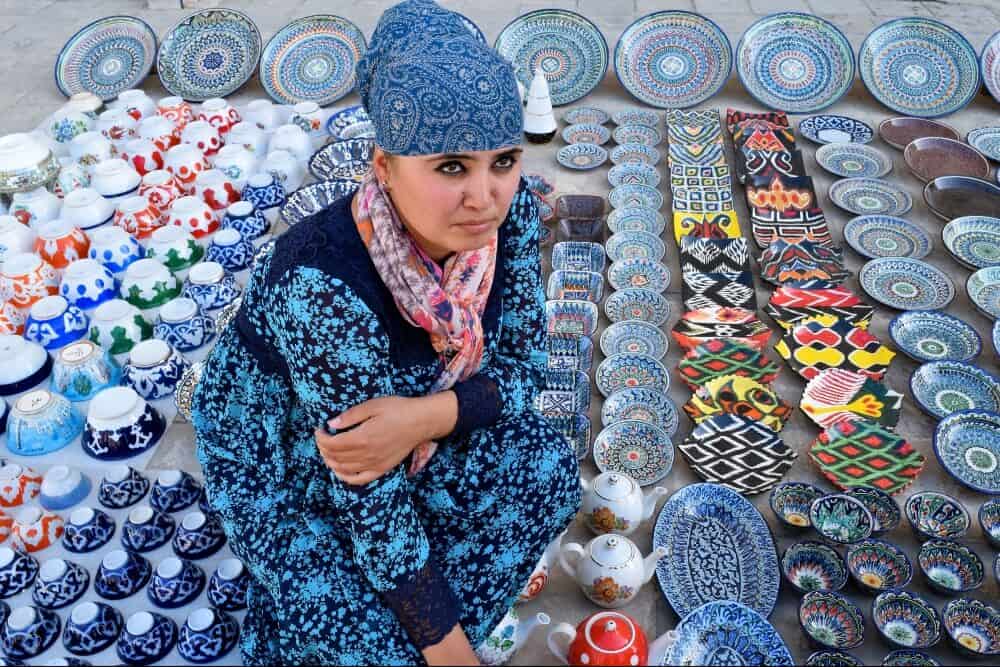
636	116
941	388
967	443
853	160
833	129
105	57
986	140
637	133
210	53
639	273
586	133
631	245
931	335
875	236
312	59
637	304
906	284
622	371
633	174
635	154
634	337
568	48
868	196
983	288
795	62
718	548
636	195
643	404
673	59
973	240
727	633
586	115
919	67
636	219
638	449
581	156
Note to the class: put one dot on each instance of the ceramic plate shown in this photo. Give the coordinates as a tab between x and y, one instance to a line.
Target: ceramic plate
989	62
636	116
919	66
986	140
342	160
720	632
868	196
816	344
633	174
581	156
795	62
634	337
642	404
853	160
973	240
586	115
105	57
899	132
797	261
836	395
996	337
639	273
718	548
860	452
931	335
623	371
350	123
829	129
722	356
636	195
704	290
635	448
636	219
906	284
950	197
941	388
575	428
314	198
567	47
732	394
635	154
312	59
635	245
586	133
874	236
707	255
967	444
930	157
983	288
673	59
634	133
637	304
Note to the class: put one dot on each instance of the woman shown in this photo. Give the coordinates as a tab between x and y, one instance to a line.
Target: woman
396	337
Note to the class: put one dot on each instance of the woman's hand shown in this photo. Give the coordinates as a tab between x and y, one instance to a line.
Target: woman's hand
382	432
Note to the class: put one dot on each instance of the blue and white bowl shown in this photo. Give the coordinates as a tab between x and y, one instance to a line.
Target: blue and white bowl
154	369
87	530
581	157
247	219
230	249
63	487
639	274
114	248
342	159
174	490
633	174
86	283
17	571
42	422
211	286
199	536
60	583
146	638
207	635
121	574
53	323
314	198
121	487
82	369
347	121
91	628
932	335
175	583
29	632
181	324
23	365
145	529
266	193
642	404
228	586
120	425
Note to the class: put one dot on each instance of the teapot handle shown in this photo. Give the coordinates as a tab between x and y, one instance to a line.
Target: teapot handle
554	646
571	548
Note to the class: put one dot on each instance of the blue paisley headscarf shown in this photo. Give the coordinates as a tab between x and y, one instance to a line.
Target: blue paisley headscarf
431	84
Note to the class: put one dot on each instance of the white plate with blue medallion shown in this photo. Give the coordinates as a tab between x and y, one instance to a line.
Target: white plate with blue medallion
673	59
919	67
932	335
870	196
105	57
853	160
906	284
633	174
210	53
942	388
833	129
639	273
967	444
718	548
636	448
726	633
973	240
877	235
795	62
983	287
312	59
986	140
567	47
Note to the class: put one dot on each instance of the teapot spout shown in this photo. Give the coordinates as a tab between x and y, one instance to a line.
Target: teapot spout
649	501
658	649
551	554
649	563
527	626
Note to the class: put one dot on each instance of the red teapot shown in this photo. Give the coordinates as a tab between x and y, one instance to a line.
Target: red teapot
607	638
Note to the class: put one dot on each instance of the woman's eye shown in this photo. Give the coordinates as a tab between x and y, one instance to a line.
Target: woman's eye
506	162
451	168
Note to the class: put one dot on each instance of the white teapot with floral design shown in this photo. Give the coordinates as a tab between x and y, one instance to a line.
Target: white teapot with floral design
508	637
610	570
614	503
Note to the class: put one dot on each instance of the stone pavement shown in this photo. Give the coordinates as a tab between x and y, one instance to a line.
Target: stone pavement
31	34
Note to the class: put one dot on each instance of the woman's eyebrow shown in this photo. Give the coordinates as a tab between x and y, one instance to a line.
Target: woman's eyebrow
517	150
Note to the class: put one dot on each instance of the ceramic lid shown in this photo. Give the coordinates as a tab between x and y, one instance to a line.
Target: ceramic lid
33	402
614	486
612	551
200	620
83	613
149	353
21	618
610	632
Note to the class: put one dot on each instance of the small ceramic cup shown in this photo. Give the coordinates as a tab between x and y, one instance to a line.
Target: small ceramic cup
286	167
91	628
87	284
91	148
263	114
87	529
176	248
230	249
142	155
228	586
217	190
202	136
54	323
87	209
35	207
194	216
6	525
121	574
211	286
63	487
198	536
207	635
26	278
161	189
249	136
153	370
145	529
23	365
293	139
181	324
184	162
247	219
174	490
82	369
136	103
116	125
148	284
17	571
72	176
309	117
121	487
67	124
139	217
237	163
175	583
146	638
18	485
266	193
120	425
14	237
114	248
218	113
59	584
115	180
12	319
60	243
176	110
29	632
160	131
41	422
118	326
36	529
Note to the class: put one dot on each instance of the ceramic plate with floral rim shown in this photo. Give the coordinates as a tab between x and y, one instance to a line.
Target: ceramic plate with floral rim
586	115
862	453
941	388
983	288
837	395
639	273
586	133
853	160
635	133
636	219
633	174
906	284
622	371
727	630
967	444
635	154
634	337
636	116
636	448
637	304
642	404
875	236
932	335
830	128
973	240
841	519
106	57
867	196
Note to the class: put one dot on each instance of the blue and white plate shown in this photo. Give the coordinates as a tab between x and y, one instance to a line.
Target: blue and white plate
869	196
853	160
983	288
568	48
919	67
637	133
642	404
795	62
635	154
637	304
996	335
633	174
967	443
210	53
581	157
350	123
634	337
973	240
624	371
105	57
878	235
636	219
986	140
941	388
586	115
719	548
906	284
636	448
312	59
639	273
636	195
636	116
833	129
726	632
586	133
635	245
673	59
931	335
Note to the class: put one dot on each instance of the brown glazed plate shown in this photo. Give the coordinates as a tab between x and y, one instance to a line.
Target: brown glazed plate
900	131
930	157
951	197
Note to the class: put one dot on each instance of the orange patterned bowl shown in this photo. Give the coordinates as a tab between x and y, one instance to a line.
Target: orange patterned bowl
60	243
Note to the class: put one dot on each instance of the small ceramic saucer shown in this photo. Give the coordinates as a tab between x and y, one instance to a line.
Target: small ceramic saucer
986	140
635	133
829	128
639	273
586	115
983	287
636	448
633	174
931	335
623	371
636	195
973	240
635	153
875	236
635	245
586	133
906	284
636	117
634	337
642	404
967	443
943	387
581	156
636	219
863	453
637	304
853	160
900	131
867	196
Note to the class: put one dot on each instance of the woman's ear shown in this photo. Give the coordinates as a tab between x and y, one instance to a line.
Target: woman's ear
380	163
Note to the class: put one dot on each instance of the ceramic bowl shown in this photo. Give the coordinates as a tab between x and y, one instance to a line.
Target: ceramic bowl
950	197
350	122
623	371
17	571
635	245
175	248
639	274
114	249
877	566
342	160
41	422
29	632
87	529
211	286
59	584
633	174
18	485
950	568
967	444
841	519
146	638
941	388
906	657
973	240
634	153
636	116
121	487
813	566
247	219
207	635
23	365
883	508
571	317
636	219
906	620
175	583
181	324
983	288
934	515
581	285
830	620
154	369
586	115
120	424
636	195
228	586
230	249
198	536
82	370
790	502
578	256
830	128
832	659
586	133
930	157
642	404
638	449
314	198
145	529
91	628
63	487
973	628
121	574
27	278
930	335
637	304
148	284
635	133
117	326
35	529
581	157
899	132
989	521
634	337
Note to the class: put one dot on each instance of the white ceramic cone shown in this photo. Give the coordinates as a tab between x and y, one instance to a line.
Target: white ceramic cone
538	116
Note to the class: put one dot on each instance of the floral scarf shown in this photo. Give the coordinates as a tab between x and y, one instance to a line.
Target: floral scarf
447	302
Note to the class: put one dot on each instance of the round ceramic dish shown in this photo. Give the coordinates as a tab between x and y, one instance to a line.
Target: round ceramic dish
973	240
950	197
586	133
906	620
636	116
567	47
941	388
635	154
730	629
795	62
989	62
986	140
967	443
813	566
880	504
906	284
790	502
853	160
635	133
950	568
930	157
633	174
105	57
633	245
934	515
841	519
636	195
642	404
973	628
624	371
636	219
900	131
877	566
831	620
870	196
832	658
639	273
983	287
634	337
931	335
637	304
636	448
581	157
919	66
875	236
586	115
832	129
673	59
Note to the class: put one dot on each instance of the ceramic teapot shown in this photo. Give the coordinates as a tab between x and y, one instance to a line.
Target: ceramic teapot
508	637
540	575
606	638
614	503
610	570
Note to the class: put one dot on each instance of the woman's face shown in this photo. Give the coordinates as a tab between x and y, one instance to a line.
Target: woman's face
453	201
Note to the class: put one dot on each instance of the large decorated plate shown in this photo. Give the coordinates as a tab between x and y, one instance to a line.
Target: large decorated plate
718	548
932	335
636	448
983	287
878	235
312	59
105	57
870	196
989	63
721	356
211	53
727	633
941	388
816	344
967	444
862	453
625	370
986	140
919	67
673	59
830	129
735	395
906	284
567	47
795	62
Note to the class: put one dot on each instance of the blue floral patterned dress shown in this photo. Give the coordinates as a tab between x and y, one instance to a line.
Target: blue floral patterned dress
371	574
